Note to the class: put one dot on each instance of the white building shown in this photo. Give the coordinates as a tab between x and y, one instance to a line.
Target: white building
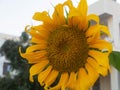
109	12
3	38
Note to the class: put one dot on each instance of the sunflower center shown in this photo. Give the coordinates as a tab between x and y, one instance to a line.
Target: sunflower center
67	49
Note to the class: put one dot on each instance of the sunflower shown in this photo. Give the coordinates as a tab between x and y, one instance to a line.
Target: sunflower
67	52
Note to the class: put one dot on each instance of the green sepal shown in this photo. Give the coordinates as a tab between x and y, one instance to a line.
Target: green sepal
115	59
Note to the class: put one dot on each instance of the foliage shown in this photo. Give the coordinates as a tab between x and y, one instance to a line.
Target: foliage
20	81
115	59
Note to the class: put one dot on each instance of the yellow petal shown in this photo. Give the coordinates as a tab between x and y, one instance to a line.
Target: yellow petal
82	82
92	30
42	16
58	15
39	32
101	58
51	78
73	11
100	69
93	34
100	27
81	10
45	18
102	45
92	74
94	38
69	4
36	47
105	29
83	7
62	82
71	84
94	18
38	41
84	24
86	79
43	75
77	17
39	28
75	21
37	56
37	60
37	68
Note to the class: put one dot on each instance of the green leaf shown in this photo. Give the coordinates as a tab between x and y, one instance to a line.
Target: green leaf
115	59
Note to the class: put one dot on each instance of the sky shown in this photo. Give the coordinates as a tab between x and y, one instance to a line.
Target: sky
16	14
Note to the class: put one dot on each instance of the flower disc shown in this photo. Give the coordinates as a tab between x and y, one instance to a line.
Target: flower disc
67	49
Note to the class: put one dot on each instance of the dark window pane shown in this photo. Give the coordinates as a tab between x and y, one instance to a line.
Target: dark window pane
96	85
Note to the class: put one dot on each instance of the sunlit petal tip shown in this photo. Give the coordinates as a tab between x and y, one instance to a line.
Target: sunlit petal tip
27	28
69	4
83	7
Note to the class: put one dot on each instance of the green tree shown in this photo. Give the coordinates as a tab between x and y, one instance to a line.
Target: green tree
20	81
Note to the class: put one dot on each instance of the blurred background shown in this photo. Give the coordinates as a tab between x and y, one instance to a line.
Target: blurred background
16	14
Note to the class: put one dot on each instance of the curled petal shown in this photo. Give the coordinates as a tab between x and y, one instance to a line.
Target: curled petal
38	56
105	30
94	18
